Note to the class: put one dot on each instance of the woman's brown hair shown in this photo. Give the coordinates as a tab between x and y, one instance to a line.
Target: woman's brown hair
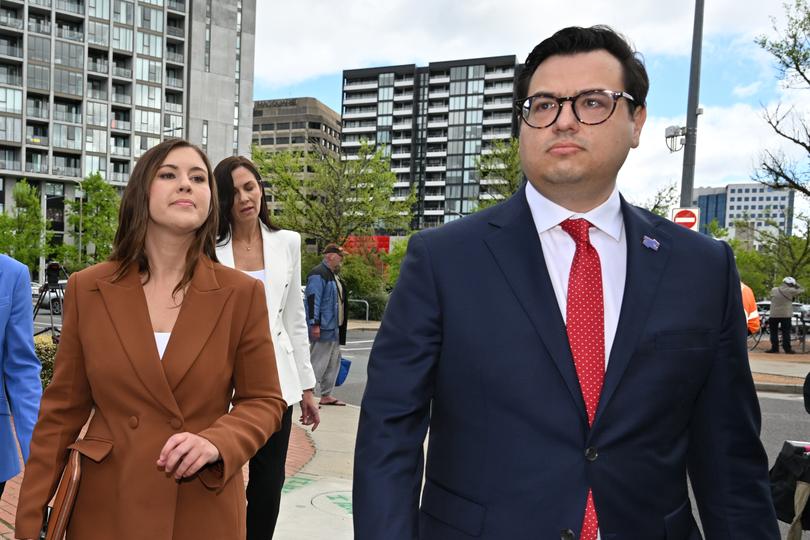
133	216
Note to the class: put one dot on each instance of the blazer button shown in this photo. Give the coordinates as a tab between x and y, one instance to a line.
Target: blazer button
567	534
175	423
133	422
591	453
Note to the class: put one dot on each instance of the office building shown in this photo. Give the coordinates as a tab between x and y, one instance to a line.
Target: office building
89	85
759	206
295	124
434	121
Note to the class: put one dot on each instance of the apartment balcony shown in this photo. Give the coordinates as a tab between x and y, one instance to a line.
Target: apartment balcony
176	5
175	57
403	111
11	50
39	27
436	168
498	89
368	100
39	168
360	129
120	177
67	33
403	82
122	72
123	151
64	116
402	140
500	74
400	170
178	108
11	22
353	144
435	183
433	212
359	115
498	120
362	85
124	99
65	170
402	184
401	155
10	164
434	197
98	67
37	112
437	139
120	125
97	94
444	109
437	124
175	31
40	140
499	105
502	134
43	3
70	7
440	79
399	126
436	154
174	82
442	94
403	97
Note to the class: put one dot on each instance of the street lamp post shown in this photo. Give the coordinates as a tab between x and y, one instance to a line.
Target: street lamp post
81	210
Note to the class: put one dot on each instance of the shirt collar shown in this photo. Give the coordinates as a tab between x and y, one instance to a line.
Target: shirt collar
607	217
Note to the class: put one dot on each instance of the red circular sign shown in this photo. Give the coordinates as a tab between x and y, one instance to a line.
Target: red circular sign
685	217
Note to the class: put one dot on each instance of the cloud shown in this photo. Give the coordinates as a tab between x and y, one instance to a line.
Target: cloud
309	38
747	90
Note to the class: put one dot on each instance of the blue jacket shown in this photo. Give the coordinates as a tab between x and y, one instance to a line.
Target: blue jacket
322	299
20	386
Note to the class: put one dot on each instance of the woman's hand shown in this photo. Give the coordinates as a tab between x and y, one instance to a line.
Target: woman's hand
310	416
186	453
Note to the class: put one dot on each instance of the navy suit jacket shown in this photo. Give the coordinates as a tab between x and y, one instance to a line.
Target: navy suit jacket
20	386
473	347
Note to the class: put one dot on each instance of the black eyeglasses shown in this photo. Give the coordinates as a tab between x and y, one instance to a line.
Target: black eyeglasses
590	107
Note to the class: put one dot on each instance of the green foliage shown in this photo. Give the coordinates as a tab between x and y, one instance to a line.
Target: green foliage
328	198
503	164
791	50
363	275
716	231
97	218
393	260
23	230
46	352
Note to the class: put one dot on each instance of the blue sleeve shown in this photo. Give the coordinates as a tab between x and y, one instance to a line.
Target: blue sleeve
313	295
395	410
21	366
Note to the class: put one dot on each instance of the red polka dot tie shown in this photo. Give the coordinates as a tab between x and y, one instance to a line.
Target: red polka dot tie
585	323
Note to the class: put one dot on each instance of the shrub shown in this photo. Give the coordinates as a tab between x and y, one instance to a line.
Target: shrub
46	351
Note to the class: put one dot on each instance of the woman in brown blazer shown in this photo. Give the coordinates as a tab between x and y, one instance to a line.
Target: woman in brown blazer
162	456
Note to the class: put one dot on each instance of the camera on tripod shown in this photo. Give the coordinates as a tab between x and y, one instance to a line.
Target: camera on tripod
52	296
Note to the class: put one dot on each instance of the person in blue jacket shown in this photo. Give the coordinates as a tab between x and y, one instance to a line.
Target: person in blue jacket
20	386
326	301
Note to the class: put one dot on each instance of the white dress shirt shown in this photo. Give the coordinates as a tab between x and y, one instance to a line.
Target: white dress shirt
607	237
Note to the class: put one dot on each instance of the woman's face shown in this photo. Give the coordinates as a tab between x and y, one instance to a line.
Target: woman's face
180	195
247	197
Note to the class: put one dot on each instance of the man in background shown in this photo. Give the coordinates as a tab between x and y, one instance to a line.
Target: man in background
782	313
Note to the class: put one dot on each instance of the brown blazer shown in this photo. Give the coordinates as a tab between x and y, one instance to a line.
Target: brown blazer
220	352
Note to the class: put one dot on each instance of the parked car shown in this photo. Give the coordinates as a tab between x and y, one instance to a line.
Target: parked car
800	311
51	300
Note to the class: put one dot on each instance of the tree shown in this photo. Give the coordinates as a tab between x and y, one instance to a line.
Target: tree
663	200
23	231
791	49
96	219
328	198
502	164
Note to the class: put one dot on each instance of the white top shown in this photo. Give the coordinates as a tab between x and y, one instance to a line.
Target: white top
162	340
255	274
607	237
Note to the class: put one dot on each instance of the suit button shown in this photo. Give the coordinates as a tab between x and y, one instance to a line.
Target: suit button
133	422
175	423
566	534
591	453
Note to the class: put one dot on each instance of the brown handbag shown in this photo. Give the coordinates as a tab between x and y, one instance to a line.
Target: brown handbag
58	515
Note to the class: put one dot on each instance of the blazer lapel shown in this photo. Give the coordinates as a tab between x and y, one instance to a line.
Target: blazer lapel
126	305
518	252
645	267
199	314
276	265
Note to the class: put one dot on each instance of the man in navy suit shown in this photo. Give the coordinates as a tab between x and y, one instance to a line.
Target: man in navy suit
20	386
572	356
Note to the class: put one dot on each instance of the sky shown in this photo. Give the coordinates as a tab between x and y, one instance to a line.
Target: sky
304	46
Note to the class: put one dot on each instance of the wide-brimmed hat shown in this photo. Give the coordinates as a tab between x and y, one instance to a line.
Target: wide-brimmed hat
789	281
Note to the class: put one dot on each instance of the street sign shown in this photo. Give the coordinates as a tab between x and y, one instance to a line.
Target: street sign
687	217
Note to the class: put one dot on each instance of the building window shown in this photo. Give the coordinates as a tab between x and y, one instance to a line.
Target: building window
150	19
10	100
98	8
148	70
207	59
39	48
204	139
95	140
123	11
147	121
147	96
122	38
150	44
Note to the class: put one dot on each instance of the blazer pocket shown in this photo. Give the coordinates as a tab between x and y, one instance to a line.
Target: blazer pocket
695	339
680	524
95	449
454	510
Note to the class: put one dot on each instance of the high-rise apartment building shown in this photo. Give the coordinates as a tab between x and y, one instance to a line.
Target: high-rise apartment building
435	122
295	124
89	85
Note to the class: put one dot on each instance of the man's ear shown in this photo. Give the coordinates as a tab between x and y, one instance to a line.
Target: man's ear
639	117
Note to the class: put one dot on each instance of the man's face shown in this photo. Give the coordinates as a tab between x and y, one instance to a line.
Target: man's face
333	261
569	159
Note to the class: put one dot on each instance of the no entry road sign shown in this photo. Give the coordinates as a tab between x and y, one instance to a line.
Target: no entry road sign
687	217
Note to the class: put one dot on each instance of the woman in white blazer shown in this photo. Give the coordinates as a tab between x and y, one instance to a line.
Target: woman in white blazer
249	241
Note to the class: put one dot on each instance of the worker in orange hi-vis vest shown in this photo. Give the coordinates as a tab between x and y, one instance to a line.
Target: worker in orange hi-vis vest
750	308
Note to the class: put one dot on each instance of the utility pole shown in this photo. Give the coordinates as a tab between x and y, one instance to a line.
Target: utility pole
692	111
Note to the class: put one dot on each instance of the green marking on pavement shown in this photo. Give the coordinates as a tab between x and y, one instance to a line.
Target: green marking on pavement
341	501
295	482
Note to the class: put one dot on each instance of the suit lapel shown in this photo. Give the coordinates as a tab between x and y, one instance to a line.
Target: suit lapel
276	264
645	267
517	250
126	305
199	314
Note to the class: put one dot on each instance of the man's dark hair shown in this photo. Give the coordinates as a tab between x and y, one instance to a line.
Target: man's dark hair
575	39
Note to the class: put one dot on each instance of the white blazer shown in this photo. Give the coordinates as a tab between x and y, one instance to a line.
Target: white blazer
285	306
